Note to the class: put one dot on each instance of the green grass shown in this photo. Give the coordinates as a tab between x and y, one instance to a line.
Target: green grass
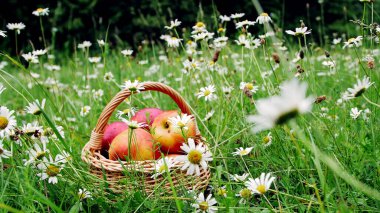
320	163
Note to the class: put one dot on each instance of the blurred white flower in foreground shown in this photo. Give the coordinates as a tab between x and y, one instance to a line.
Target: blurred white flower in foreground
279	109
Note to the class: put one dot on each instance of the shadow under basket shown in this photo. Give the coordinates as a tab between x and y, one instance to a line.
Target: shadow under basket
129	176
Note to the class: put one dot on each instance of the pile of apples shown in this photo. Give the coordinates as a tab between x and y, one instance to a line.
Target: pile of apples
146	143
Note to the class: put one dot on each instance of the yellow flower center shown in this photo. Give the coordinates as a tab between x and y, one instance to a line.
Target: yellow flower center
181	124
207	92
40	155
243	152
52	170
351	40
203	205
3	122
174	38
126	111
264	14
162	168
221	29
221	192
194	156
40	10
82	195
245	193
48	132
200	24
249	86
261	189
266	139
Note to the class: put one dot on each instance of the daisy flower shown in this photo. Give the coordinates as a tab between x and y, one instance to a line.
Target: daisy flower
84	45
301	31
35	108
260	185
37	154
39	52
245	195
160	167
199	27
180	121
354	113
277	110
2	88
127	52
224	18
32	129
94	59
359	88
49	170
4	153
242	151
62	158
134	124
245	23
239	178
85	110
135	86
84	194
221	191
129	112
2	33
108	76
203	204
173	24
29	57
197	156
209	115
16	26
207	93
248	86
101	42
41	12
237	15
267	140
7	121
173	41
353	42
97	94
263	18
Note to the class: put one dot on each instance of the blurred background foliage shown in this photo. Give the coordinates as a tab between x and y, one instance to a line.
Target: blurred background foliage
130	22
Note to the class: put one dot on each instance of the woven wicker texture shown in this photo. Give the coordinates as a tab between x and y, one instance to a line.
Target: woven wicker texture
136	175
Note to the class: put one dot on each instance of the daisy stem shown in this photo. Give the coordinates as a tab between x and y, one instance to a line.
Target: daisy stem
16	44
369	101
171	184
43	32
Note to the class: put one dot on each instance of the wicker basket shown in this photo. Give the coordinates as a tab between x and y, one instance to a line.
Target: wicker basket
122	176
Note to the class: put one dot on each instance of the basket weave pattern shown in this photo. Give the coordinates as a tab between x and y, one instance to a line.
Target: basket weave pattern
136	175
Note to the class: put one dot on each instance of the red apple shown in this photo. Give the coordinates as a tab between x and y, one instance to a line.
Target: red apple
111	131
140	143
167	135
146	115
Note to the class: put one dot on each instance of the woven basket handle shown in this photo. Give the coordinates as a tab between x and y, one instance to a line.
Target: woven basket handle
97	133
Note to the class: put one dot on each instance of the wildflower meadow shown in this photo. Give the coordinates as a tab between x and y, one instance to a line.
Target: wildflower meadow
230	115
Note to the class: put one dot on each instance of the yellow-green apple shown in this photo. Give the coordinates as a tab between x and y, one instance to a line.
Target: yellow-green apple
111	131
146	116
169	129
135	145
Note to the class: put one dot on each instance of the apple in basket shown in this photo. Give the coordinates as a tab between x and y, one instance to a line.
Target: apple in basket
134	145
168	134
111	131
146	116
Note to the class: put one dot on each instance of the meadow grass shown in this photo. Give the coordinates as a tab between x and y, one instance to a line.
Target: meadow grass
323	161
